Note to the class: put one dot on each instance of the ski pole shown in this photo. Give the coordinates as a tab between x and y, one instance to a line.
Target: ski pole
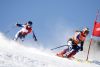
58	47
34	37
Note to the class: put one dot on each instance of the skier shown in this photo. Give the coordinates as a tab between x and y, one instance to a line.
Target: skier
26	29
75	44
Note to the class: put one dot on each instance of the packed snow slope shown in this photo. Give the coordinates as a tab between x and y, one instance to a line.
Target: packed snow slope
13	54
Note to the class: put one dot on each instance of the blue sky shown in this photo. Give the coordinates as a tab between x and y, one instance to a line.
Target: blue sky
54	20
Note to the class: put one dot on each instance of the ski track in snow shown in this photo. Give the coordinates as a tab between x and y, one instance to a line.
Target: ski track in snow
13	54
9	60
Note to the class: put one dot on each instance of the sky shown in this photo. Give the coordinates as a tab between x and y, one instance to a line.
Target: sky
54	20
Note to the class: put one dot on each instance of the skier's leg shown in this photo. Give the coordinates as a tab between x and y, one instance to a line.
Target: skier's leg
61	54
75	49
67	50
16	36
64	52
23	37
71	54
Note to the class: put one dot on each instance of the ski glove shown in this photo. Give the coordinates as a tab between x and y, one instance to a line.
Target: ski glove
81	48
19	25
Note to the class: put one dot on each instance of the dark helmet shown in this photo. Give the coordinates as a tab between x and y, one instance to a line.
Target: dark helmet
30	22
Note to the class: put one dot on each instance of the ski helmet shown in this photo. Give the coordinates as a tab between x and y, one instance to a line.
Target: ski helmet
86	30
30	22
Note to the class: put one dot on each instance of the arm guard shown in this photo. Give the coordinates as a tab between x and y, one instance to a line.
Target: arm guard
19	25
81	47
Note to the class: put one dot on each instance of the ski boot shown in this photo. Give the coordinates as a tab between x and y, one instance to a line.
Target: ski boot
61	54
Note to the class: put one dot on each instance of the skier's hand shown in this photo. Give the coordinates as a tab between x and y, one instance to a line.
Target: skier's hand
17	24
81	48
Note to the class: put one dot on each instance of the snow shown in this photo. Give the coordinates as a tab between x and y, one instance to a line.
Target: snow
13	54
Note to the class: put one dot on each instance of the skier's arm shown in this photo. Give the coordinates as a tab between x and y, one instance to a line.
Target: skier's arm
20	25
